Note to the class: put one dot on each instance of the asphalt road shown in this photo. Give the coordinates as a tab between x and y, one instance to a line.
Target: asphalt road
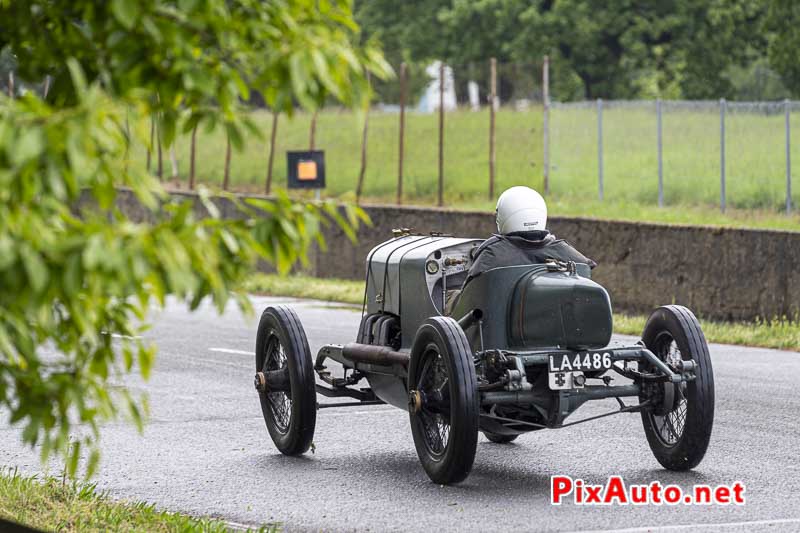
206	449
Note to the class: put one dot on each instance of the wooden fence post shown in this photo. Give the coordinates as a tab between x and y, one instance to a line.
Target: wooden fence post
152	139
440	201
160	170
226	179
272	136
401	141
492	96
363	170
313	133
192	155
360	186
11	84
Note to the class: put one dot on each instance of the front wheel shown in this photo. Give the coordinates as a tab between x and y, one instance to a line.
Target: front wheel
443	400
285	380
678	429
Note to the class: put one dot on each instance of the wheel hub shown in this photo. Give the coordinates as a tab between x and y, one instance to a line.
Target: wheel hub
668	396
260	382
416	399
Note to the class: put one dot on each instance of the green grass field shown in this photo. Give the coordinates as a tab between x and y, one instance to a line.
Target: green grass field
339	134
755	161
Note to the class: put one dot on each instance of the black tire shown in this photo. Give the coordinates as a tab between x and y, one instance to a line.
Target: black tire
679	437
500	439
445	429
290	416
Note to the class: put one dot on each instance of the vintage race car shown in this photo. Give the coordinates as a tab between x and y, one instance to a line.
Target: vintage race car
515	349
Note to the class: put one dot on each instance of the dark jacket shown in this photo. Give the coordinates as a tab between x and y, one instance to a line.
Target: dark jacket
523	248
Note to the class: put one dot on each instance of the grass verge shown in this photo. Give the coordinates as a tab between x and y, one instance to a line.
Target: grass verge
779	334
52	504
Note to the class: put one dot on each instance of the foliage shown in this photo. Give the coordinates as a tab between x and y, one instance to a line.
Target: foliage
53	504
613	49
77	278
781	333
172	56
784	41
409	32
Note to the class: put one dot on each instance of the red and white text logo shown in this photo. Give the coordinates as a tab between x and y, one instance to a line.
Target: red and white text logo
616	492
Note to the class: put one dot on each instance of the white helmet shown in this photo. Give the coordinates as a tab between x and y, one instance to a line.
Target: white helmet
521	209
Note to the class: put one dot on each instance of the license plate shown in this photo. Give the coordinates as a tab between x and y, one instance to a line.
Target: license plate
580	362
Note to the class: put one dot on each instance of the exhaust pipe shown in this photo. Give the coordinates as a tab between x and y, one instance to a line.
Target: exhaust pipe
378	355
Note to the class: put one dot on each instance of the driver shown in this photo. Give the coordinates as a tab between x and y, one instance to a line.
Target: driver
522	238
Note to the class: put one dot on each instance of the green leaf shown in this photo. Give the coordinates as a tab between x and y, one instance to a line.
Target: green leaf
94	460
146	356
77	75
126	12
7	252
74	456
35	267
29	146
94	253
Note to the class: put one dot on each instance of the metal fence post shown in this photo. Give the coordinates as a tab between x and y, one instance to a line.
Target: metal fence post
660	155
440	198
787	111
722	106
401	135
546	120
492	96
600	146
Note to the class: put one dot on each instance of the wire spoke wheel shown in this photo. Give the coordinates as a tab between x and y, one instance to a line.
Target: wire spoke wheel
670	426
435	419
443	392
280	402
289	404
678	429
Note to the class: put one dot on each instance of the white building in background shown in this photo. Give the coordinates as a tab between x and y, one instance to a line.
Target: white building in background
474	95
430	98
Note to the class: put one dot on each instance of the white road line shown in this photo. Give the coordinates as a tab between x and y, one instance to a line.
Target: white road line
229	350
239	526
703	526
345	412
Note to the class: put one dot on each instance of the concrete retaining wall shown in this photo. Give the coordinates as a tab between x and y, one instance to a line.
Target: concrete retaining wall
719	273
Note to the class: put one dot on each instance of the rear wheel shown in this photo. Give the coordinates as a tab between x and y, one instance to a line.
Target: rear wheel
443	400
285	380
678	428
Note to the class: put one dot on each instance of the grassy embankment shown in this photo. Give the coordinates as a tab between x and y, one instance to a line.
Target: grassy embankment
778	334
755	161
52	504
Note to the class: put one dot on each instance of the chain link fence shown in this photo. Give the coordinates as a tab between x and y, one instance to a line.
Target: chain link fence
647	152
733	154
